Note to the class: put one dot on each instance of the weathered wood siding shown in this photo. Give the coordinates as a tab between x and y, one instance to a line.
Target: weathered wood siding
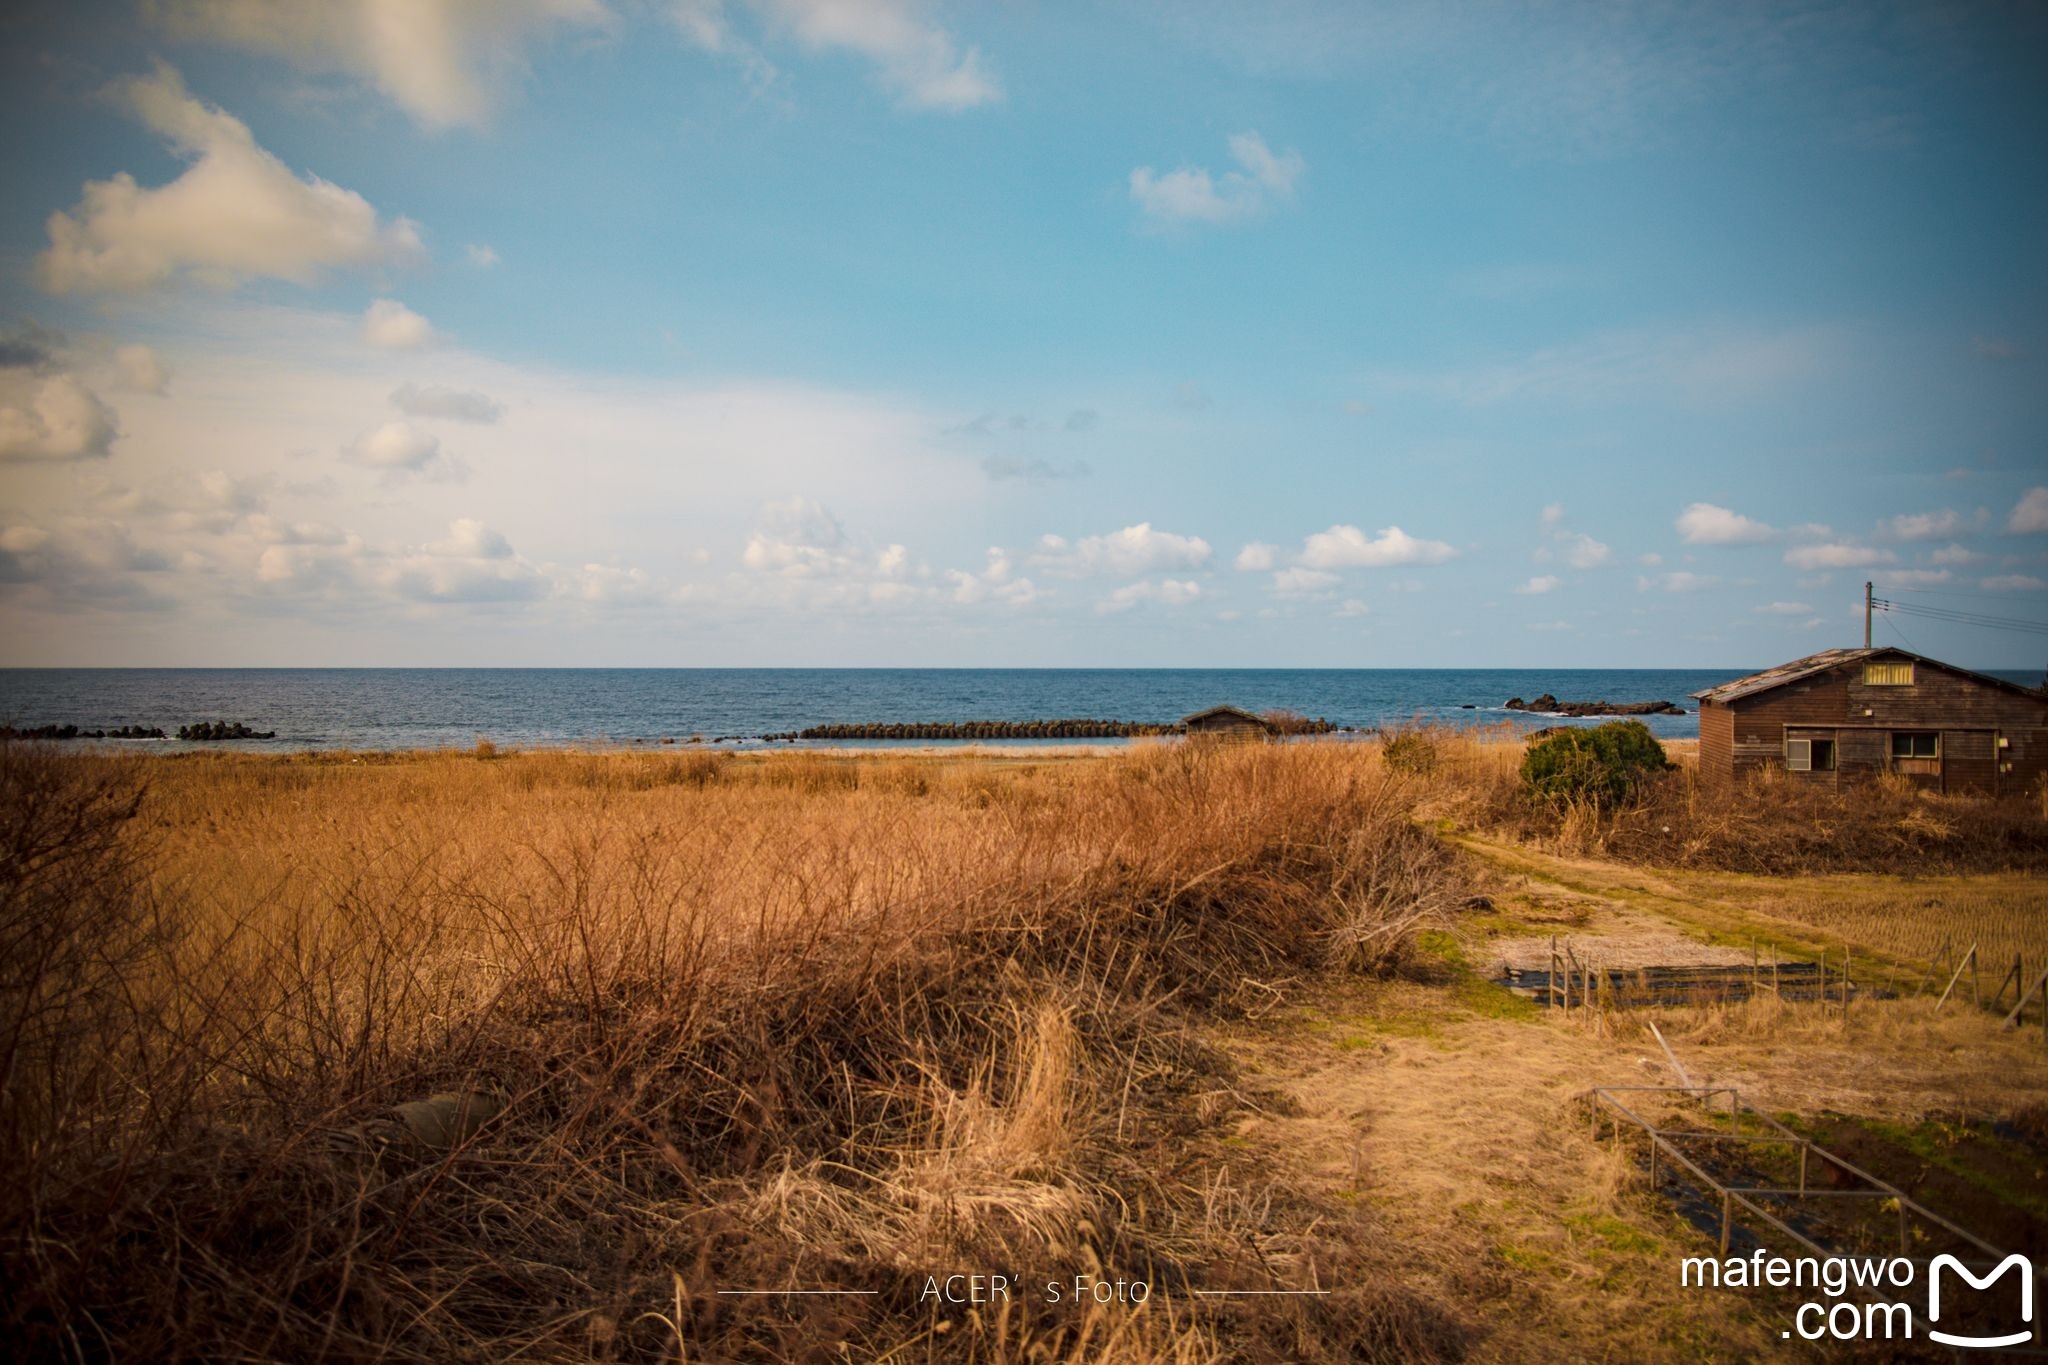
1966	761
1717	740
1970	716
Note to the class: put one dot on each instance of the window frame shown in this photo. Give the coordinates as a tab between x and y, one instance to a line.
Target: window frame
1911	736
1803	752
1874	668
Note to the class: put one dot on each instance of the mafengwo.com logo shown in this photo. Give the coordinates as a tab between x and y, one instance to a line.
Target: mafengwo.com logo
1864	1298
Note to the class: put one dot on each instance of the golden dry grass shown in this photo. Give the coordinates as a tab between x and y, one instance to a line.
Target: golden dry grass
1763	823
838	1020
721	1022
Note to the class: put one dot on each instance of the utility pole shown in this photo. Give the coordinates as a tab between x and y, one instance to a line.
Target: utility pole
1866	615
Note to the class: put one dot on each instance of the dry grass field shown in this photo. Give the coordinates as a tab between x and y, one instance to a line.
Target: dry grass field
702	1024
481	1055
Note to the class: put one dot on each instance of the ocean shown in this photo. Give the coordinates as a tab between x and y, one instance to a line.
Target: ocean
427	709
406	708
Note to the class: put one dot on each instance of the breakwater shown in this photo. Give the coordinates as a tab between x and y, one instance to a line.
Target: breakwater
1028	729
985	729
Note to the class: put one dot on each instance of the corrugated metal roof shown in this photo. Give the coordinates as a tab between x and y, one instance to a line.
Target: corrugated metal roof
1786	673
1834	658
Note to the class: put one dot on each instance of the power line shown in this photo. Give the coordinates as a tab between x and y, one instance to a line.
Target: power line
1954	592
1956	616
1893	627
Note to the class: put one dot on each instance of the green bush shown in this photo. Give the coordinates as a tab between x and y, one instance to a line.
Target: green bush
1604	764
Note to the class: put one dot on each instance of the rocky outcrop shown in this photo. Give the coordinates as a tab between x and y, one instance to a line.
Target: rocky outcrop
73	732
1547	705
214	731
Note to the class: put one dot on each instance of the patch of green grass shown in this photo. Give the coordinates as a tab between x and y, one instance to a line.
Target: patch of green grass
1490	1000
1443	946
1527	1259
1941	1144
1408	1024
1613	1234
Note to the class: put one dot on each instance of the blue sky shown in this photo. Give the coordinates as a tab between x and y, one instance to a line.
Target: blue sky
885	332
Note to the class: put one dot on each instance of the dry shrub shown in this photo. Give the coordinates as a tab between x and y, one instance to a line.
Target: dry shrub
1411	751
1771	823
784	1027
1765	822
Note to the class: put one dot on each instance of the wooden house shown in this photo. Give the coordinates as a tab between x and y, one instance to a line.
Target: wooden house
1225	722
1845	716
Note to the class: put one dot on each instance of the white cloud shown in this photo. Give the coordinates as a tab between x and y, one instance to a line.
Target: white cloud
2014	582
1256	557
1351	608
1927	525
64	420
1167	591
474	564
392	325
1785	609
1541	584
1955	554
469	538
83	562
2030	514
1347	547
613	585
142	369
798	538
996	583
459	405
1132	551
1192	194
922	63
1909	578
1299	582
1581	551
1680	580
481	255
396	446
1837	555
444	62
1650	561
1702	523
236	213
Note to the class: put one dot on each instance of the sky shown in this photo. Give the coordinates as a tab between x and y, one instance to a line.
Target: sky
883	332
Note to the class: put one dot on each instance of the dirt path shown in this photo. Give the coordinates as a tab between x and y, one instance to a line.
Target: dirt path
1445	1117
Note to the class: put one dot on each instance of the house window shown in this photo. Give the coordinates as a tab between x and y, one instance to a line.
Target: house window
1810	755
1916	744
1889	673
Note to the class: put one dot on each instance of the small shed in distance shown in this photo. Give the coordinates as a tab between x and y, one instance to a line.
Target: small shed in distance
1225	722
1845	716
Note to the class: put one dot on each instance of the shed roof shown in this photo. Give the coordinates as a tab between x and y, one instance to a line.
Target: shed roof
1827	659
1208	712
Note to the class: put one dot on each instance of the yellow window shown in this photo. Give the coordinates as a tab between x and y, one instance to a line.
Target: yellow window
1889	673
